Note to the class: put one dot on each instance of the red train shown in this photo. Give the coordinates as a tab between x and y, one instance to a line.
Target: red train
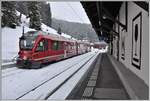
38	47
100	45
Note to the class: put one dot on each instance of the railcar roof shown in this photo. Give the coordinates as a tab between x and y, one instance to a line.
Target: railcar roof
55	37
100	43
52	36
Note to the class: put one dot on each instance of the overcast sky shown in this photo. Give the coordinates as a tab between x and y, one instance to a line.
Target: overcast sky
70	11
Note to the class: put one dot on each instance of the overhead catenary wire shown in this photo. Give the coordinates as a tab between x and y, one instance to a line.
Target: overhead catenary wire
75	12
77	15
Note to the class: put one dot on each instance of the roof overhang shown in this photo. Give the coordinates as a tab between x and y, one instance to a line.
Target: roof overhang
102	15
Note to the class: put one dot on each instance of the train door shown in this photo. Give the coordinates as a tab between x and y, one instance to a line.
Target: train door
76	46
41	50
79	48
57	50
54	47
65	49
46	50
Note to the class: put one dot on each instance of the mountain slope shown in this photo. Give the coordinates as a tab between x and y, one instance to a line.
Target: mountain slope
76	30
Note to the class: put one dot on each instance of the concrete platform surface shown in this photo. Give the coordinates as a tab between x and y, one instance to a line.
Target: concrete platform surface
135	87
109	93
88	92
91	83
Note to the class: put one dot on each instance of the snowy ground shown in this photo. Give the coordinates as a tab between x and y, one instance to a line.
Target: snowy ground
70	85
16	82
10	42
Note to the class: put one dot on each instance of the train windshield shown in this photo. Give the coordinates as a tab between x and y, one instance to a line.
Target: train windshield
27	43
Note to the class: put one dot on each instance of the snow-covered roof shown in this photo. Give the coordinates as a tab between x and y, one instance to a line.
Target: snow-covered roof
50	36
57	37
101	42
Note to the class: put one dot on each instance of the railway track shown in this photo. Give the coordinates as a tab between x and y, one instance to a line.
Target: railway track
54	78
27	94
14	70
67	79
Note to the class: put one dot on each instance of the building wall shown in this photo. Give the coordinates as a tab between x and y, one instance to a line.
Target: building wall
115	40
115	47
129	48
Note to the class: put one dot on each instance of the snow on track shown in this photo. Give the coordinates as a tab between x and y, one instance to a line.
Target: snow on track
7	63
49	87
17	85
12	71
66	89
8	70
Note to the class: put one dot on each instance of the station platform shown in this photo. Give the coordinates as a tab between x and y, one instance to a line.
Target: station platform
135	86
111	80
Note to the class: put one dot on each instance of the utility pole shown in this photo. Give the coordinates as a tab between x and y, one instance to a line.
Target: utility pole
23	28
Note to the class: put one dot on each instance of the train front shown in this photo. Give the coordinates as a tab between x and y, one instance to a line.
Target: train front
26	44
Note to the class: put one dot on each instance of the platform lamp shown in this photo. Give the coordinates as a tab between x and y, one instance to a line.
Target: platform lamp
104	17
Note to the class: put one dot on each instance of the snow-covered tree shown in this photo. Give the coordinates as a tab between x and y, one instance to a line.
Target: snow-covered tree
34	15
45	13
22	8
9	17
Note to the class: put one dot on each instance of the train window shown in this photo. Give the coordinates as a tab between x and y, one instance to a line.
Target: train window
40	47
55	45
45	44
27	43
60	45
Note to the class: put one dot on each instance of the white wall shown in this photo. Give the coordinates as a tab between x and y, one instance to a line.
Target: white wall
133	10
115	41
115	47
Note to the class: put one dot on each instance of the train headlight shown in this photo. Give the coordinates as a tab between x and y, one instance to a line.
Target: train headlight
33	42
25	58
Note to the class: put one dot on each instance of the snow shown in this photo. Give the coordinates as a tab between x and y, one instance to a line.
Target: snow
44	90
101	42
65	35
7	63
104	50
9	70
53	31
24	20
23	80
66	89
10	41
48	29
10	37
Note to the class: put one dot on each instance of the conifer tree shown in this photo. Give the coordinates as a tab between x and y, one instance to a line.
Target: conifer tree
34	15
9	17
45	13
